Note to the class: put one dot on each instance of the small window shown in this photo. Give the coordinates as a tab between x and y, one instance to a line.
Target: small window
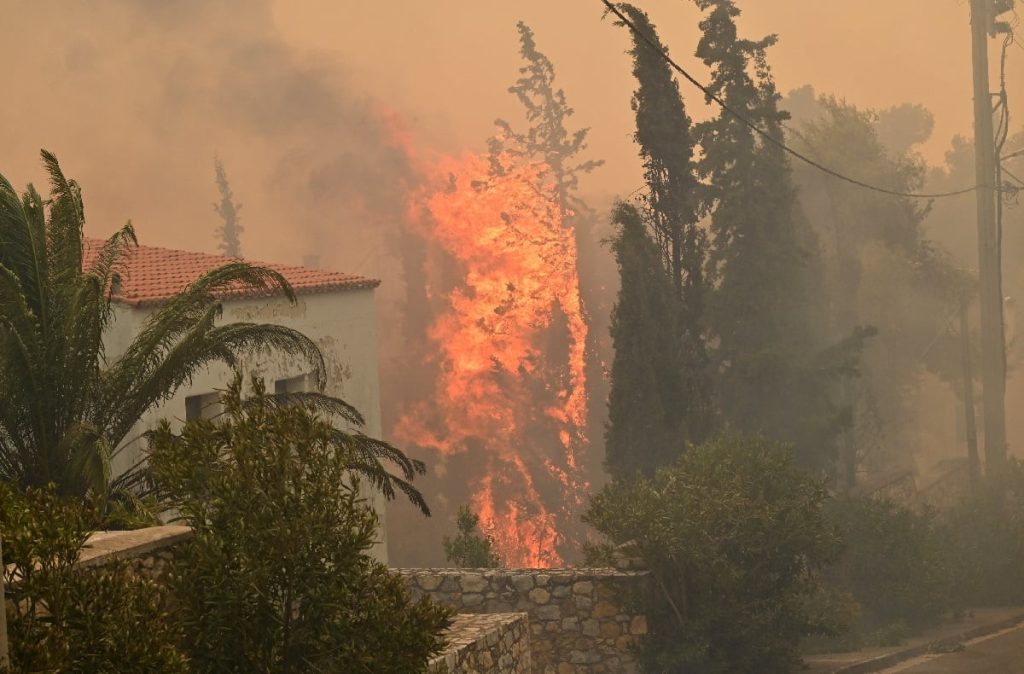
203	406
292	384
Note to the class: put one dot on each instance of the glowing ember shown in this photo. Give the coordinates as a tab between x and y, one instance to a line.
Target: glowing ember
511	388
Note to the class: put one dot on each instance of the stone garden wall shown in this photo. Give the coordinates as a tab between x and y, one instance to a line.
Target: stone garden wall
149	551
578	623
486	643
511	621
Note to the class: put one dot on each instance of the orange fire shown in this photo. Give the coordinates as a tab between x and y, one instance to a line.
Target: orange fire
510	342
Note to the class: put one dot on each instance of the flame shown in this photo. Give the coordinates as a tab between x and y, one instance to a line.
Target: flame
509	340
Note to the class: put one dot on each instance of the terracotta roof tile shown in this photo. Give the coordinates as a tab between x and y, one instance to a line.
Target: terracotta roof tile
154	275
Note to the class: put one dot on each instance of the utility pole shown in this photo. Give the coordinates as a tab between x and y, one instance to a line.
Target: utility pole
993	359
970	428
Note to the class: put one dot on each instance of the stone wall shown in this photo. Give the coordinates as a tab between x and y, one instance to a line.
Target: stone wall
149	551
486	643
512	621
578	623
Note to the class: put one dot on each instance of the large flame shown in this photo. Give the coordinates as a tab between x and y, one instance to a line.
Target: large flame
510	342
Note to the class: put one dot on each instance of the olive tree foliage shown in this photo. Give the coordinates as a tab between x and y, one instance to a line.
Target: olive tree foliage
734	537
470	549
65	407
71	620
278	577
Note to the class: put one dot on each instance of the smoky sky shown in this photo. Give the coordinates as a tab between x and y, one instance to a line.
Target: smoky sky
136	97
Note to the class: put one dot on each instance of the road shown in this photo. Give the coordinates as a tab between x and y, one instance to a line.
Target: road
999	653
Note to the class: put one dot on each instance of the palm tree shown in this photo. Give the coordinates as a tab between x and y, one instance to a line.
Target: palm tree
64	409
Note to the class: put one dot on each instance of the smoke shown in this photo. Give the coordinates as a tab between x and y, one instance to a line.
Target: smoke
136	97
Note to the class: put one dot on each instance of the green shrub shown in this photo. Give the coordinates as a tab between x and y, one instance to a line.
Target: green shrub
734	536
986	531
69	620
896	564
278	577
470	549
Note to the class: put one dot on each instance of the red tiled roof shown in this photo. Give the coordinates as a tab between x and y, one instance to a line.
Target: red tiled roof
154	275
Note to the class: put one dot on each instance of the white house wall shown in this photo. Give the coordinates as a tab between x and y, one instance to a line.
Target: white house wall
342	323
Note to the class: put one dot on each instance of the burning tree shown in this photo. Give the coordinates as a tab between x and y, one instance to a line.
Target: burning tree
511	390
508	336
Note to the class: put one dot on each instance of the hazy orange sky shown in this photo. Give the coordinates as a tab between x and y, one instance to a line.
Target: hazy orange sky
135	96
876	53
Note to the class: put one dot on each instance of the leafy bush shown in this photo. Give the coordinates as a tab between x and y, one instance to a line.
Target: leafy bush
896	563
734	536
470	549
63	619
277	577
986	531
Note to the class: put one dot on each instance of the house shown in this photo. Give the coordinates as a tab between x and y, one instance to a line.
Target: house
335	310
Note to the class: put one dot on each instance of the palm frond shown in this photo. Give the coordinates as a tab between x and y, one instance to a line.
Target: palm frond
15	313
64	234
23	242
372	449
387	483
111	256
368	455
136	386
178	316
319	402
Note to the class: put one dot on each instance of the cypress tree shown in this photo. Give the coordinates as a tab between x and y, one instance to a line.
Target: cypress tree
772	377
645	425
666	147
231	229
661	395
671	210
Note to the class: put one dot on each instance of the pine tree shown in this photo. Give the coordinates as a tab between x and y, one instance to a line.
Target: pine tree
645	416
762	256
470	549
230	232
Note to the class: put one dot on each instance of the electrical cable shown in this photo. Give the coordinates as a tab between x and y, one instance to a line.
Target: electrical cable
1019	181
767	136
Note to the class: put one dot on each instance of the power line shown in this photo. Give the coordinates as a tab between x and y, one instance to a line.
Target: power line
1007	172
764	134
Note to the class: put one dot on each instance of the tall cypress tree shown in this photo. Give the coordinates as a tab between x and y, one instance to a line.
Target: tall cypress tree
762	256
230	231
670	214
645	425
666	147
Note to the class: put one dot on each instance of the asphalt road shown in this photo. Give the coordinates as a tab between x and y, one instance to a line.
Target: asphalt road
999	653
